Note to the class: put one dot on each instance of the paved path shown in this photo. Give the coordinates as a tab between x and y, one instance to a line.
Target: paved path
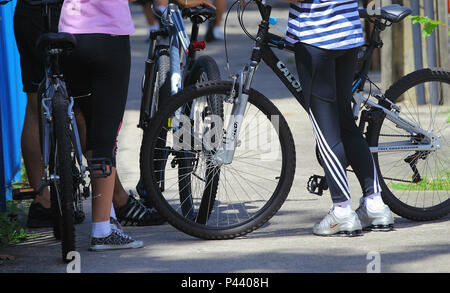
284	245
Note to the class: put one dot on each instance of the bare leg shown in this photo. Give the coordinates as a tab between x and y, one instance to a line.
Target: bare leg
221	5
120	196
31	149
102	194
151	20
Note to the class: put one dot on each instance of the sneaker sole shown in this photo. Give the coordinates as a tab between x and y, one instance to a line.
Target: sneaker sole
136	244
355	233
379	228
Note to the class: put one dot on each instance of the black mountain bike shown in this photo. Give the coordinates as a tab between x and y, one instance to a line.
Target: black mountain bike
253	150
171	65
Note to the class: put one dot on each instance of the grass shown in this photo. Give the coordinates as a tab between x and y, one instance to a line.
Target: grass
13	222
426	184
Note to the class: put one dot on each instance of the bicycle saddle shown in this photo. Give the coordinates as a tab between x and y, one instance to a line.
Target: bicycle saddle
64	41
393	13
199	12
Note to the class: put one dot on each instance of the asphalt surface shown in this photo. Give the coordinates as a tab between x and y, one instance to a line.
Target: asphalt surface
284	245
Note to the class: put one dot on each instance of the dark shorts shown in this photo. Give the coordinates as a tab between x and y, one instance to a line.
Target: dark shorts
100	66
28	26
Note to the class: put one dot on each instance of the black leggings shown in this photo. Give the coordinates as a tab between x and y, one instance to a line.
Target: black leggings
326	77
100	65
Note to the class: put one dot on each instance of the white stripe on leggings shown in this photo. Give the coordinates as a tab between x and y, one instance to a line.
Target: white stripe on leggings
339	178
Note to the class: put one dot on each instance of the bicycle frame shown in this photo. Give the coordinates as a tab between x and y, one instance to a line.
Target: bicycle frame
173	36
54	82
262	51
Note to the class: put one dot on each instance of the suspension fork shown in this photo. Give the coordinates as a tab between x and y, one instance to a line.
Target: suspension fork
226	152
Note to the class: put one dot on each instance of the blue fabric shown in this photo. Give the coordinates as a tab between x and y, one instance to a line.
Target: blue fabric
12	104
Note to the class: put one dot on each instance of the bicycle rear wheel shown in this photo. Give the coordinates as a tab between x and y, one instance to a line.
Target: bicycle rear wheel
416	184
62	190
249	191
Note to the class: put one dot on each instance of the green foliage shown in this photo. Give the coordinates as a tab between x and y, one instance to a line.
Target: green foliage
12	224
441	183
429	25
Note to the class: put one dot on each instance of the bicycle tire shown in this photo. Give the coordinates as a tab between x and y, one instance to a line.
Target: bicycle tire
163	91
269	207
204	69
63	167
398	204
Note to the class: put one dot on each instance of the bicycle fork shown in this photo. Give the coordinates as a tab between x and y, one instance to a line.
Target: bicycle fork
226	152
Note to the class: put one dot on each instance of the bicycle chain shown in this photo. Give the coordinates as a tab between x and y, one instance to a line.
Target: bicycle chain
388	178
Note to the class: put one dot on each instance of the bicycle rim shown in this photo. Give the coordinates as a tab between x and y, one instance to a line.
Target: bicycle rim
226	201
418	182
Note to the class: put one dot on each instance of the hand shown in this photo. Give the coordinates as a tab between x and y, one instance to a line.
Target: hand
194	3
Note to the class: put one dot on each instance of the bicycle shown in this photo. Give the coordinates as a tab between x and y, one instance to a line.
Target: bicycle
236	154
172	64
64	171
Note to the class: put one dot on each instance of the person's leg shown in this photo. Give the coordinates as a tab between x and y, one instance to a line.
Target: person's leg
215	30
31	149
356	147
153	23
130	210
221	5
27	28
372	212
317	71
342	219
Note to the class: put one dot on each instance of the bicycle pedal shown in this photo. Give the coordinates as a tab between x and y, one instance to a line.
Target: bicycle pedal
24	193
317	184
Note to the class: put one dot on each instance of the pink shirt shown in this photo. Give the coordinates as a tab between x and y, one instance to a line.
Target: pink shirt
96	16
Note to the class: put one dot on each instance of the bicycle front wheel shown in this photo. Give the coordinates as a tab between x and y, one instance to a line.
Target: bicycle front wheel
416	184
249	190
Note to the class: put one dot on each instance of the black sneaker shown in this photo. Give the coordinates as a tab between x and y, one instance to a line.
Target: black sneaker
134	213
39	217
115	240
142	194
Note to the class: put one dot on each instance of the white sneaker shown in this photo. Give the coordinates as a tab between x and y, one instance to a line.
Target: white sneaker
332	225
375	220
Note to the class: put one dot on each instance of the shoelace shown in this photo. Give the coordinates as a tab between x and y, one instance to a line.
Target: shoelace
122	235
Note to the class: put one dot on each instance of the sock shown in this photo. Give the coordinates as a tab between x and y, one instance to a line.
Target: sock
218	32
342	209
100	229
113	212
374	202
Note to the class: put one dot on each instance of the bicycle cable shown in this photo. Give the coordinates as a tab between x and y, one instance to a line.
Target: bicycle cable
240	15
225	39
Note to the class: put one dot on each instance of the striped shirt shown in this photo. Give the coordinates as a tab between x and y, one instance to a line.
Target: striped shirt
327	24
